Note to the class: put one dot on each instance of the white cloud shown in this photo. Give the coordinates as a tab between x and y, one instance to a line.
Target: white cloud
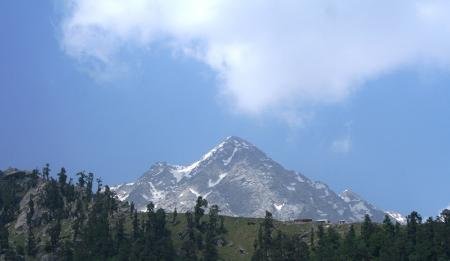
269	55
342	145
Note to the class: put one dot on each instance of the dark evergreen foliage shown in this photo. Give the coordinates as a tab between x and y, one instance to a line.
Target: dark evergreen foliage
64	221
386	241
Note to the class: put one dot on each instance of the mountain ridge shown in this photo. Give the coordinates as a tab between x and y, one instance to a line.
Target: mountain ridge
234	170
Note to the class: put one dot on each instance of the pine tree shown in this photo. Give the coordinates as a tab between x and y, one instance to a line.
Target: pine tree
388	239
136	231
81	179
264	241
62	177
4	236
321	251
367	230
46	172
312	240
163	241
413	222
400	243
53	199
425	247
445	232
89	184
257	246
174	216
99	185
301	249
54	233
34	178
149	232
278	253
31	241
212	234
199	211
189	245
222	228
349	246
131	209
122	243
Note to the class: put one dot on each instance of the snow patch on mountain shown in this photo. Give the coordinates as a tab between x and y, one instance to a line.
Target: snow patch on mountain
227	161
157	194
278	206
194	192
290	188
397	217
214	183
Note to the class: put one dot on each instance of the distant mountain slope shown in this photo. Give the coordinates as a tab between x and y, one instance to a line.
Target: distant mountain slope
243	181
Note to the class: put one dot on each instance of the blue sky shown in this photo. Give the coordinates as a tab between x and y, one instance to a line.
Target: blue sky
112	96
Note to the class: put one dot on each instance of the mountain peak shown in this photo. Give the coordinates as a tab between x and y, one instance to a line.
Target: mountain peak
348	195
235	169
235	139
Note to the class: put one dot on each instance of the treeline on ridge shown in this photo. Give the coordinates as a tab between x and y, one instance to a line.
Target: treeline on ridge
66	221
54	218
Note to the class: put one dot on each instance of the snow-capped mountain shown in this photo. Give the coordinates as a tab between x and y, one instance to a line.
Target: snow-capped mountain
397	217
243	181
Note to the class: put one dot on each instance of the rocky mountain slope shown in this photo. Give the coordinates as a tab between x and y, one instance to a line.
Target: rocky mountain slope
244	181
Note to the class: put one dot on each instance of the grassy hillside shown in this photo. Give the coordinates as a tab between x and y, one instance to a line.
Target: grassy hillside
242	233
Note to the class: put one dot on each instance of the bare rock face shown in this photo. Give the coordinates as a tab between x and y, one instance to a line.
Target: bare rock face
243	181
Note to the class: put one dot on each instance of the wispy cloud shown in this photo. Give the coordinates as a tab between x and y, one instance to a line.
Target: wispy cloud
269	53
341	145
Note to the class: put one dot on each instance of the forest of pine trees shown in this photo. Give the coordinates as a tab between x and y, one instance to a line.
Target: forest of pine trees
81	223
67	220
418	240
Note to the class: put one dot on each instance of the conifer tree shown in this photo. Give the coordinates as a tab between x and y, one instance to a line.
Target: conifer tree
163	241
321	248
89	184
62	177
426	249
444	232
131	209
99	185
54	233
388	239
34	178
4	236
367	229
264	241
212	234
149	232
413	222
46	172
31	241
174	216
189	245
136	231
122	244
199	211
312	239
81	179
349	245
